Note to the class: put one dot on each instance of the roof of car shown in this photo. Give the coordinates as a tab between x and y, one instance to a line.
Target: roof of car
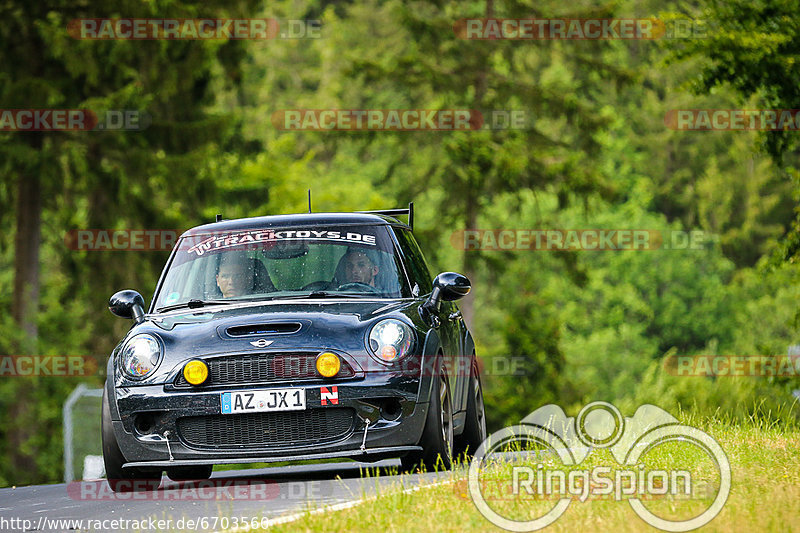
294	220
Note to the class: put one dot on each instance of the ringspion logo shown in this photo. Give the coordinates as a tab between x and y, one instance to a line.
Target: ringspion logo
516	453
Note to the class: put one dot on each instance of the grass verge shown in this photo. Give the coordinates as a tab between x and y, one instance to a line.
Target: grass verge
765	491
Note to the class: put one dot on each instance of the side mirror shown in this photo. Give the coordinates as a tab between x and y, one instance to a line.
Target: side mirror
127	304
447	286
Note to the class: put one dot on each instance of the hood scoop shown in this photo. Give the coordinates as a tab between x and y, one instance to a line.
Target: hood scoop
263	329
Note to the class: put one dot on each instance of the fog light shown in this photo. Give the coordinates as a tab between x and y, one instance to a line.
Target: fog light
328	364
195	372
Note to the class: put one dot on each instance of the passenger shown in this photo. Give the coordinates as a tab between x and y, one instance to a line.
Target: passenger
241	275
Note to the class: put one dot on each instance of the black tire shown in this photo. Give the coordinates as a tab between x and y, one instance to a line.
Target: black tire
475	426
437	436
131	479
190	473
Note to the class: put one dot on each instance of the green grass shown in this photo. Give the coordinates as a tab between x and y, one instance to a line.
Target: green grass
765	492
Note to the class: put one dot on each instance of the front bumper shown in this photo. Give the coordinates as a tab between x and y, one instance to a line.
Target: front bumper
376	431
367	455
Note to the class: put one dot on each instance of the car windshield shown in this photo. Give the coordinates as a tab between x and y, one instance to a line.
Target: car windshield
347	261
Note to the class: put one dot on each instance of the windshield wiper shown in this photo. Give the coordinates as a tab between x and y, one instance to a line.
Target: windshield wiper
193	304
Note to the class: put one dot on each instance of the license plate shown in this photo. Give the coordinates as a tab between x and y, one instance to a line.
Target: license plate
258	401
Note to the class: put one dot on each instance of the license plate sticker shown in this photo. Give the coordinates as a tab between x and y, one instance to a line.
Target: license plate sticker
258	401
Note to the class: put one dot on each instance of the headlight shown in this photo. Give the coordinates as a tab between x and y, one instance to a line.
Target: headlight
390	340
140	356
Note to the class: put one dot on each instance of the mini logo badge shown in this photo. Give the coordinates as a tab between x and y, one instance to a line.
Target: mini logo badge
261	343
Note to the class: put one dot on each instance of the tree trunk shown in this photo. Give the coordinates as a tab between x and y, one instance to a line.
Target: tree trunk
25	304
26	255
470	260
471	208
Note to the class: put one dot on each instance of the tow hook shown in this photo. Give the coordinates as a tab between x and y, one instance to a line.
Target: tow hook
364	440
166	438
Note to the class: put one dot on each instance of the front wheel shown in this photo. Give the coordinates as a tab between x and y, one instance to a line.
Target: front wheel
437	437
475	427
130	479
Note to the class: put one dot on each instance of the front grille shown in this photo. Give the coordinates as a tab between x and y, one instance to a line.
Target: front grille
262	368
264	430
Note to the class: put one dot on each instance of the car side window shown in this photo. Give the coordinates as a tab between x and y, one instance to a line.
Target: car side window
415	262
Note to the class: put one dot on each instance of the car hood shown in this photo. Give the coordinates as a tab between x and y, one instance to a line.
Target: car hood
334	310
338	325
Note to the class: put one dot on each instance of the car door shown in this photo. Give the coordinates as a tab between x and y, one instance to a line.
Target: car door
449	318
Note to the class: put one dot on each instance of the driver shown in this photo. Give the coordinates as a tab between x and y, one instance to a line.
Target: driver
359	268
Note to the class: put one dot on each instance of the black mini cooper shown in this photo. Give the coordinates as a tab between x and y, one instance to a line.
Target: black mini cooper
288	338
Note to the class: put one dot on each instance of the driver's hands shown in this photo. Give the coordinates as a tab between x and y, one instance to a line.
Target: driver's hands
361	287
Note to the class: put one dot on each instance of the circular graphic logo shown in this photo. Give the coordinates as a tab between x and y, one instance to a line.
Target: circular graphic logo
598	425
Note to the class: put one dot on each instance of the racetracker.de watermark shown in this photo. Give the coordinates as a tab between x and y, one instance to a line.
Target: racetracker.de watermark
275	364
401	119
48	366
252	489
733	119
595	239
107	240
578	29
172	29
733	365
73	120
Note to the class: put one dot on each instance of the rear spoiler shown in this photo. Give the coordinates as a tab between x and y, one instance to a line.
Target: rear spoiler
409	211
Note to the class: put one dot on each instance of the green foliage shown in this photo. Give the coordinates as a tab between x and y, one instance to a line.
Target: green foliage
737	399
754	48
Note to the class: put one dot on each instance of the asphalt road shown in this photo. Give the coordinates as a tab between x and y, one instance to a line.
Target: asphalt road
251	497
